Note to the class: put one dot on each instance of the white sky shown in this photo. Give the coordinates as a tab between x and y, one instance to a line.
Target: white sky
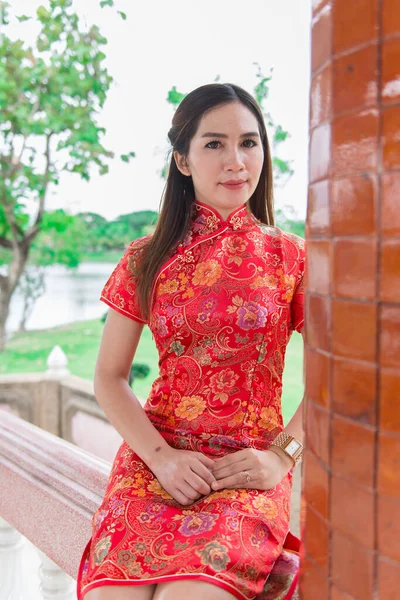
187	44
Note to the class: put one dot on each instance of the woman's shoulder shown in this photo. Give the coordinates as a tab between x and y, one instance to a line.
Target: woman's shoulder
275	234
139	243
135	248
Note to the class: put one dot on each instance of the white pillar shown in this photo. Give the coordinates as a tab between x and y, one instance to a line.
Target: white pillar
54	582
57	363
11	545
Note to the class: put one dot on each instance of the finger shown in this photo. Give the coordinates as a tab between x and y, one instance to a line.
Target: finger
229	464
188	491
202	471
231	458
238	480
208	462
232	470
198	483
181	498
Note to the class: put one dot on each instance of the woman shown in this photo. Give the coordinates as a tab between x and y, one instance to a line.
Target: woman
197	503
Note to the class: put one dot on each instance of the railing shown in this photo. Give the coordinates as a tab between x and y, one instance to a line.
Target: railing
49	490
61	404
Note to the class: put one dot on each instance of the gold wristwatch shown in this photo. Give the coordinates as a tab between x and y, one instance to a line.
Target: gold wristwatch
290	446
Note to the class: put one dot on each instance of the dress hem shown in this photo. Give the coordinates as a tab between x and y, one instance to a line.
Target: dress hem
163	579
292	545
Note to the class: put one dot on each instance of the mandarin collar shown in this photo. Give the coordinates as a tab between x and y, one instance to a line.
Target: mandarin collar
207	220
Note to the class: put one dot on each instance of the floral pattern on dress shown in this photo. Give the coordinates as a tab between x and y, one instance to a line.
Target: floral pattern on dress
223	308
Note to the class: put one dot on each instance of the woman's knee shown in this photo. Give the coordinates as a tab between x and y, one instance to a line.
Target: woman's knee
193	589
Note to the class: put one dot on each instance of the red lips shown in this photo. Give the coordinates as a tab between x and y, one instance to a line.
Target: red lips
233	181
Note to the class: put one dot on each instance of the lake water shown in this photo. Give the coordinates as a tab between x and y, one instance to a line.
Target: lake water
71	295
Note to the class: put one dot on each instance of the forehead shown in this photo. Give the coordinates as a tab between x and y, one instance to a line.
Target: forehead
232	117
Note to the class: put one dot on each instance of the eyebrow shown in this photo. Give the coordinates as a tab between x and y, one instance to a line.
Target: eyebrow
223	135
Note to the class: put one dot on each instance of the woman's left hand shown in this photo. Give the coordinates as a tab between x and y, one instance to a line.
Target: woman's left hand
251	469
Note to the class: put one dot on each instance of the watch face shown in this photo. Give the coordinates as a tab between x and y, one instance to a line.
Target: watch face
292	447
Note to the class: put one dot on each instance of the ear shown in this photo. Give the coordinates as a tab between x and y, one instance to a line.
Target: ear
181	163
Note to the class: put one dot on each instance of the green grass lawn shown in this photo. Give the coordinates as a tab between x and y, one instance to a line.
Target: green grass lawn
109	256
28	353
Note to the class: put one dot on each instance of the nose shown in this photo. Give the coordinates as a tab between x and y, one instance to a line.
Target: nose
234	160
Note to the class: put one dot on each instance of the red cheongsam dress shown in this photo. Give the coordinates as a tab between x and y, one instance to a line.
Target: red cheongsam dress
223	308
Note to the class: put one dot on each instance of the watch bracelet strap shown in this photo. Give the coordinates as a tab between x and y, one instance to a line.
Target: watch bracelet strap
281	439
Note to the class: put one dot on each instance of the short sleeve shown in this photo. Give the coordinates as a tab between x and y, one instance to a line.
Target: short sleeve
119	292
297	309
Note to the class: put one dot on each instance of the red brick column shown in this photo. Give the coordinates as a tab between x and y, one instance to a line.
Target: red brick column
352	464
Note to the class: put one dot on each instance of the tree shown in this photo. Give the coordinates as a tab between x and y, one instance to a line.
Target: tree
95	226
50	95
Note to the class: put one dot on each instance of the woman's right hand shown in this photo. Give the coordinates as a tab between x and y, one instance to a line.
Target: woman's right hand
184	474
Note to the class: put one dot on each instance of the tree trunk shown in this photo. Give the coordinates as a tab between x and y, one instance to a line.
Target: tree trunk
8	283
25	314
4	310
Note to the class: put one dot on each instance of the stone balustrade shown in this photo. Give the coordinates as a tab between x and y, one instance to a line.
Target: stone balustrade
49	490
62	404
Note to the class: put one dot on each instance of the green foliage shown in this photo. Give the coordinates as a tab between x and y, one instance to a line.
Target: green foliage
287	221
51	93
50	97
103	235
138	371
126	157
60	240
174	97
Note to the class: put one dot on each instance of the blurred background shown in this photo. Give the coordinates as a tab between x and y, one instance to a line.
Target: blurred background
87	94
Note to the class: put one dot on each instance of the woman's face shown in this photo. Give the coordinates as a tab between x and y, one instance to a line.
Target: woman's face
226	146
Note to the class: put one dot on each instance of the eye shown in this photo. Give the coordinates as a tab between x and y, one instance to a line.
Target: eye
252	142
213	142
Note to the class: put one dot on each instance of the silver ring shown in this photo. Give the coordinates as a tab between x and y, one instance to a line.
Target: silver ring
248	478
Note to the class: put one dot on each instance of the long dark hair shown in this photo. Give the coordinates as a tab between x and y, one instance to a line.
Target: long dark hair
178	197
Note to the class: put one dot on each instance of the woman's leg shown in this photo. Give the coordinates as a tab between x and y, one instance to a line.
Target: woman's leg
187	588
121	592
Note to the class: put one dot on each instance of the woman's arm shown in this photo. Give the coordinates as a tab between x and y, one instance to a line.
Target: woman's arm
118	346
184	474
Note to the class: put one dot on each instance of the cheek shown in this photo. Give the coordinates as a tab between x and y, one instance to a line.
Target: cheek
203	169
257	162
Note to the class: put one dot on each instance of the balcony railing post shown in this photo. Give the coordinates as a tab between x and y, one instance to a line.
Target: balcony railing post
54	582
57	364
11	545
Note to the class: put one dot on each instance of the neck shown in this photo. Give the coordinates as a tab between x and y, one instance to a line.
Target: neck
223	212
